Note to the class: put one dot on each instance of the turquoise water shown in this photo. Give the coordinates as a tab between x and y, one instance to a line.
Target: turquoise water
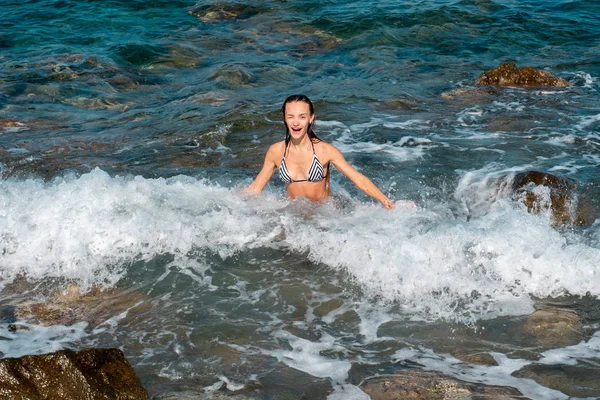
127	128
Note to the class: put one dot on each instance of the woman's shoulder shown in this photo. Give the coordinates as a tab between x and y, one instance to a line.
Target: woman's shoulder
276	148
325	147
326	151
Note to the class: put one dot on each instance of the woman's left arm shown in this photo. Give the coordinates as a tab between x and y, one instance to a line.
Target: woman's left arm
361	181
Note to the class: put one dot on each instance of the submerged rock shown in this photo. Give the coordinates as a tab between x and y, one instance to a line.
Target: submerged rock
233	75
431	386
472	95
66	375
573	380
68	306
508	74
221	11
551	194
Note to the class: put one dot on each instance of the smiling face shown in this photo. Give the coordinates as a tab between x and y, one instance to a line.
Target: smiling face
297	117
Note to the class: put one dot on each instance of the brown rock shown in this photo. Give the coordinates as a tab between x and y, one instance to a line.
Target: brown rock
555	327
430	386
66	374
508	74
558	196
9	123
475	358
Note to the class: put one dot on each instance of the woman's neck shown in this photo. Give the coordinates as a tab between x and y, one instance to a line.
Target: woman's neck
301	143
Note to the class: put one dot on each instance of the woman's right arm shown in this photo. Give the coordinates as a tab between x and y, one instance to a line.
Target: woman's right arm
267	170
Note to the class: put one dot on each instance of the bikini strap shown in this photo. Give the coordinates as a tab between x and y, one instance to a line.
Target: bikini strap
287	145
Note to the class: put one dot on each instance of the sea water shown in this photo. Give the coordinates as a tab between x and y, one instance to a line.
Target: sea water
129	129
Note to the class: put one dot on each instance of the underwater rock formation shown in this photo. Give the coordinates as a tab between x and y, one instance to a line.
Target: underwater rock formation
222	11
431	386
68	306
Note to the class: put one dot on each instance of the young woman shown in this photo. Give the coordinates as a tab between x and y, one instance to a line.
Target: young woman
304	160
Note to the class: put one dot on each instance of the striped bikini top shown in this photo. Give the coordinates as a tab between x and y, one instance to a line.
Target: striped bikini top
316	172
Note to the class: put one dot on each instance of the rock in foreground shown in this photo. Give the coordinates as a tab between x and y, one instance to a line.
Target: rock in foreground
88	374
509	75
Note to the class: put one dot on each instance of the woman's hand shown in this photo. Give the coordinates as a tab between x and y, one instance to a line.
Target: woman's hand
389	204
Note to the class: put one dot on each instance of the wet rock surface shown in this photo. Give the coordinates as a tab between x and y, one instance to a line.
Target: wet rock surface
555	327
474	357
66	374
546	193
572	380
68	306
508	74
430	386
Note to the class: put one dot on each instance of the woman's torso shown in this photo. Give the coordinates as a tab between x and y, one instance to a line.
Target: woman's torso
307	180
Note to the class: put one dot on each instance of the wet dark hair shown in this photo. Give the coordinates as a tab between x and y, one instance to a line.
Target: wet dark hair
302	98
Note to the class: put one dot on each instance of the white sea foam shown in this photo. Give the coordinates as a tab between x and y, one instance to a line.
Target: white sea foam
485	149
470	116
587	121
349	139
510	106
572	354
397	150
482	268
412	124
305	356
562	140
92	228
35	339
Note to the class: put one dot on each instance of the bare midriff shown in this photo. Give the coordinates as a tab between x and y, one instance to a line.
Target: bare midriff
314	191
